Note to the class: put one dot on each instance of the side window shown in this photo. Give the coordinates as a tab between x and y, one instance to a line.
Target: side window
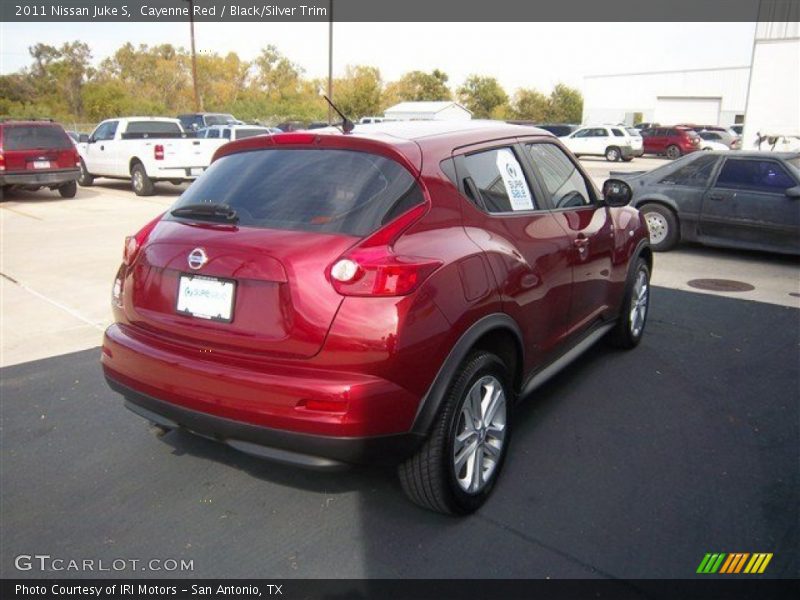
759	175
567	187
599	132
617	132
226	133
694	174
583	133
106	131
499	180
670	132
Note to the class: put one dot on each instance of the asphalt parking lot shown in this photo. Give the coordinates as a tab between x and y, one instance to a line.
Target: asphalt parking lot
629	465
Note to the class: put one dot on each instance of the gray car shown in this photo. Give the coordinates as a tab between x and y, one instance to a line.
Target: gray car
745	200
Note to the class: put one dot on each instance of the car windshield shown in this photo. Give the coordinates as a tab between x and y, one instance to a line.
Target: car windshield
329	191
219	119
31	137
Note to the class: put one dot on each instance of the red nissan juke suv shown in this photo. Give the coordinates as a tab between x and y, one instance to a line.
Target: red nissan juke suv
381	296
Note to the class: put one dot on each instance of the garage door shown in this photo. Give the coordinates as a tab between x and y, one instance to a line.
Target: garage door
674	110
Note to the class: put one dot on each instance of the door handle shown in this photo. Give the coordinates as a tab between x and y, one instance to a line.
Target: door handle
716	197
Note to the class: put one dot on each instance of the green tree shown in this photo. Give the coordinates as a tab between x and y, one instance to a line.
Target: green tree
530	105
358	93
566	105
59	73
483	96
417	86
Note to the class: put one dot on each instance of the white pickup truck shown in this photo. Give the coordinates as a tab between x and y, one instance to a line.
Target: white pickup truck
144	150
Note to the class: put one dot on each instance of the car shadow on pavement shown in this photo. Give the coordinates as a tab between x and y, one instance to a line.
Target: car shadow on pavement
626	464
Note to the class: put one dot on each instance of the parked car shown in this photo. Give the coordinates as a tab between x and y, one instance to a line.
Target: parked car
235	132
36	154
145	150
745	200
716	133
77	137
614	142
558	129
195	121
646	125
383	296
674	142
369	120
710	140
737	129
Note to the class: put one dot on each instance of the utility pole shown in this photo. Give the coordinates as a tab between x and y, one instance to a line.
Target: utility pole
197	105
330	62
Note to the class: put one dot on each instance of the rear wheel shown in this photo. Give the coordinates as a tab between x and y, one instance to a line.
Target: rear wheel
673	152
633	315
663	226
457	467
613	154
85	178
628	159
142	184
68	190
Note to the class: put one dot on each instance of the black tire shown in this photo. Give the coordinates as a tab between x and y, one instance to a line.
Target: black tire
142	185
429	477
613	154
68	190
673	152
627	159
663	226
625	335
85	179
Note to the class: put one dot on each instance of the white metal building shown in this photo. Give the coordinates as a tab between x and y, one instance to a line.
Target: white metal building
428	111
706	96
773	99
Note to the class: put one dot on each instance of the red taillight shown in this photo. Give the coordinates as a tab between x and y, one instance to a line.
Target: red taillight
2	163
158	151
373	269
294	138
134	243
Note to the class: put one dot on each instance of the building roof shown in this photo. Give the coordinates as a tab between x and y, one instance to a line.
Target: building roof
425	107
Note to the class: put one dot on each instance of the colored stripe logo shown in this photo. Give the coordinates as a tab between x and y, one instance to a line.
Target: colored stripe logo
734	563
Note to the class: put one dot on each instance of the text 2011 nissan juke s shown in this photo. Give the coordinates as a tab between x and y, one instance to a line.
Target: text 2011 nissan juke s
381	296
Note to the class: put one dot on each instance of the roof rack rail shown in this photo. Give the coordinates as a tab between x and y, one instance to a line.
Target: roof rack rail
6	119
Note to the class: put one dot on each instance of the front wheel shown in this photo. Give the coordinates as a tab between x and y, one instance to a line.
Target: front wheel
613	154
142	184
457	467
633	316
673	152
85	179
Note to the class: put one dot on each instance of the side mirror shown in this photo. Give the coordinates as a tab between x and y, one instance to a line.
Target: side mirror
616	192
793	192
83	138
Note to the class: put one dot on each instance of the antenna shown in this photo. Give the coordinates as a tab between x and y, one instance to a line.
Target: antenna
347	124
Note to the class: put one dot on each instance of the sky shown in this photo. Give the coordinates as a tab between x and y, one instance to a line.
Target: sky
535	55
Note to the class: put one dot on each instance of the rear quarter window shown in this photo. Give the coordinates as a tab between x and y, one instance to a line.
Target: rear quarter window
328	191
31	137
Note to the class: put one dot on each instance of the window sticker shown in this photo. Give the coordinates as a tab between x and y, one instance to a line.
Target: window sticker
510	170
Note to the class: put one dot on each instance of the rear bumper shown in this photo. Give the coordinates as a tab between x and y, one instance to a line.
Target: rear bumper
628	152
182	173
304	450
40	178
305	409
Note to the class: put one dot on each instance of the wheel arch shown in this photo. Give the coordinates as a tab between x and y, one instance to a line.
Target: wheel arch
497	333
135	160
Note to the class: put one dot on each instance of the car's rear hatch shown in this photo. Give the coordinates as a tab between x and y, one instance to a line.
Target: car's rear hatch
37	147
258	282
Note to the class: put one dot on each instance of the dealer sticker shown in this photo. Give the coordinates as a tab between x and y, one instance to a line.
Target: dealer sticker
514	180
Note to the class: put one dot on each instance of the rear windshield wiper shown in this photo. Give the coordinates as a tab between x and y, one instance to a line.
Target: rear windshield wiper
207	210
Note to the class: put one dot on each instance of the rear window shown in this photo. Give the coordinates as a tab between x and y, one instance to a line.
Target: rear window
32	137
633	132
329	191
152	128
246	133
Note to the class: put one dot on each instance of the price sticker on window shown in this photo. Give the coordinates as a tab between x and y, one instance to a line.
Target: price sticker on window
513	178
